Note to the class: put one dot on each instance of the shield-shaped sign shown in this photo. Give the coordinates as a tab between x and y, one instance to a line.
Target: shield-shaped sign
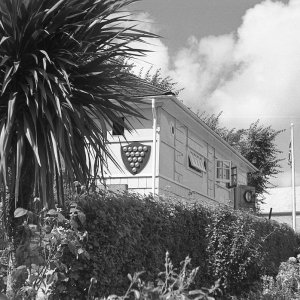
135	156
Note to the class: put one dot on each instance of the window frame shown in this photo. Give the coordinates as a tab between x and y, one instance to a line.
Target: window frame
196	162
225	167
234	177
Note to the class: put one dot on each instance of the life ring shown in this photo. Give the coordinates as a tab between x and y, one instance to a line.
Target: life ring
248	196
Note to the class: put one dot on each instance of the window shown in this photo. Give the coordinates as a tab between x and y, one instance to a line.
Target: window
233	177
233	182
223	171
118	127
196	161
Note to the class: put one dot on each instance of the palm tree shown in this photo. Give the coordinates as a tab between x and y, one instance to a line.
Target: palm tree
62	79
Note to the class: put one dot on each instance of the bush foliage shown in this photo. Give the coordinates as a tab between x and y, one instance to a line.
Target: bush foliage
242	247
129	233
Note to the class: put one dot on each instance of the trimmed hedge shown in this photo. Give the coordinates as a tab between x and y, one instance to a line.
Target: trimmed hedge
129	233
242	247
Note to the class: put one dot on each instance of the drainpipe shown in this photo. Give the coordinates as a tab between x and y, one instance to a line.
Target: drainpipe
154	146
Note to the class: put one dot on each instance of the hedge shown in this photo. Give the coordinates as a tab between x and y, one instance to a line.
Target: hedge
130	233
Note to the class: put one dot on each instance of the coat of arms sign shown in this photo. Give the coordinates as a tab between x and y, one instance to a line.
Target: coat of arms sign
135	156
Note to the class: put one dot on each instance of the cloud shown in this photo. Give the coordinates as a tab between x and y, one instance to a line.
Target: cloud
204	66
158	56
253	73
250	74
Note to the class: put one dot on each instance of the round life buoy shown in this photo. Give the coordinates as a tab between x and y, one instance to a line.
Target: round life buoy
248	196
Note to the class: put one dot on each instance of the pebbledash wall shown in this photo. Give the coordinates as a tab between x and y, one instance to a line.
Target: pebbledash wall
192	161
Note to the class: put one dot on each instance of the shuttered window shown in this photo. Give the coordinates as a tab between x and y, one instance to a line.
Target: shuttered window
196	161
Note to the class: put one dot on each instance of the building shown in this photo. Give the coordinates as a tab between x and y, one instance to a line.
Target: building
278	205
187	160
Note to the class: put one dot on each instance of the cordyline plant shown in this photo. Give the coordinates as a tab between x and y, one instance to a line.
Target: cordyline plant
62	79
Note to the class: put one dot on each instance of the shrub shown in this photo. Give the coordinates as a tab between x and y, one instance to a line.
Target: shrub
170	285
129	233
287	282
279	241
234	252
38	267
242	247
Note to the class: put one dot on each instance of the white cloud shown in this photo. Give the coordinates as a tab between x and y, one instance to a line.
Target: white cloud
249	74
203	66
158	56
252	74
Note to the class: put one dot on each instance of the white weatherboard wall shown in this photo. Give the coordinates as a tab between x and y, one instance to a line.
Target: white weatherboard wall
178	132
175	177
142	182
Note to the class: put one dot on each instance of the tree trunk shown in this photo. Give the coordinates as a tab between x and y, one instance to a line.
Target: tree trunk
10	284
10	288
24	200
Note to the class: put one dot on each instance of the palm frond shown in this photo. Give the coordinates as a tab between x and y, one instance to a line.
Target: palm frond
62	79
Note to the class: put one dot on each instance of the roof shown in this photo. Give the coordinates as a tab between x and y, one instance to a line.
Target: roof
138	87
225	143
144	89
280	200
167	98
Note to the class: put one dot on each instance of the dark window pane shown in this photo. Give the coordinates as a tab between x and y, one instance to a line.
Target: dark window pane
118	127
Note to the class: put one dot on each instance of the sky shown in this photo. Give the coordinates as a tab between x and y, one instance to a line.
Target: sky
238	57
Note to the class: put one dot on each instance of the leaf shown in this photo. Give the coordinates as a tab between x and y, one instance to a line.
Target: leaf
54	146
74	224
35	76
197	292
81	217
35	58
54	7
21	271
3	39
52	212
28	132
19	163
20	212
6	79
46	55
11	110
129	277
44	63
74	210
80	251
60	217
137	294
72	247
4	60
16	66
33	227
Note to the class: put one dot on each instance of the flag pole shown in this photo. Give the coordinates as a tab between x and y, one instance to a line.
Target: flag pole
293	178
